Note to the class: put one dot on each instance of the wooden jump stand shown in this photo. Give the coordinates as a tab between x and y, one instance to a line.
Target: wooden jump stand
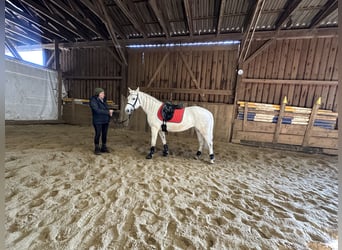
306	138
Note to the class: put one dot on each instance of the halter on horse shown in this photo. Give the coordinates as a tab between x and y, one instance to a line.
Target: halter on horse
194	117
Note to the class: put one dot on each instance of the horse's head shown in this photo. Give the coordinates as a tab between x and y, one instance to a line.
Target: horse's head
133	101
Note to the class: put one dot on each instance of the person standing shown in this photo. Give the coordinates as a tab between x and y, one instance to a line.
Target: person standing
101	117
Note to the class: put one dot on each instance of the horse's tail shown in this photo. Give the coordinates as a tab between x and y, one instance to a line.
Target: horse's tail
211	126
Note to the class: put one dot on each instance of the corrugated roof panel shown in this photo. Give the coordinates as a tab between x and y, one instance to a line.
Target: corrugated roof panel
303	18
267	21
312	3
145	12
234	15
331	20
274	5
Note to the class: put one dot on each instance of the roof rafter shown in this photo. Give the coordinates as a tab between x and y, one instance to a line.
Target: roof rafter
32	37
18	38
110	28
98	12
290	6
12	49
38	23
250	10
27	29
159	16
130	17
59	22
220	17
77	17
248	34
329	7
188	15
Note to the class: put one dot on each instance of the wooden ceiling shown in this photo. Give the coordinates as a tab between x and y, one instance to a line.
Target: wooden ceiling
122	22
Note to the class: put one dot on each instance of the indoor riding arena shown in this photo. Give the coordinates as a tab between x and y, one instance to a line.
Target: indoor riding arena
265	69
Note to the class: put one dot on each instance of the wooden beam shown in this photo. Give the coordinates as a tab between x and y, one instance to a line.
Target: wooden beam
290	6
38	23
74	77
130	17
49	61
260	35
99	13
188	16
77	17
189	91
27	29
245	116
160	18
12	49
111	30
311	122
192	75
18	41
219	22
32	38
22	37
59	22
158	69
59	89
280	121
329	7
248	34
252	5
259	51
284	81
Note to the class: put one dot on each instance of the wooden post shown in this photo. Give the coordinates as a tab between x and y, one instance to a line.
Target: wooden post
59	87
73	110
236	95
245	114
280	120
311	122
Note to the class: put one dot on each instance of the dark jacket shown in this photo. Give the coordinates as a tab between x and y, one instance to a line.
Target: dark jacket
100	110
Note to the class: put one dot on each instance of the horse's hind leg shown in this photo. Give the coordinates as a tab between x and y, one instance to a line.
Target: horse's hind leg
208	137
200	142
163	138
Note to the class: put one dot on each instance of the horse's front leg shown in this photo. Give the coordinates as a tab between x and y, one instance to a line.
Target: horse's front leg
163	138
154	134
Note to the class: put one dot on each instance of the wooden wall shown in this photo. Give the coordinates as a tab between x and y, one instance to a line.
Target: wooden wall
84	69
205	74
301	69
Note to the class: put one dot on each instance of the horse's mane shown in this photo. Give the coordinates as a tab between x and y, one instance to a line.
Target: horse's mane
150	97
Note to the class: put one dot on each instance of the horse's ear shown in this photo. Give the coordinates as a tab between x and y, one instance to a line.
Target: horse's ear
137	89
129	89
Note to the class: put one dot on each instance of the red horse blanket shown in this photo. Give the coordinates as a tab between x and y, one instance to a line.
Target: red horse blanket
177	115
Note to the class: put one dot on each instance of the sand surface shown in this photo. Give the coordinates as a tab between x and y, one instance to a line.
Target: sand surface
59	195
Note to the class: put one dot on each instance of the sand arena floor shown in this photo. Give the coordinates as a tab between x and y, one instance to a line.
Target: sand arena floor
59	195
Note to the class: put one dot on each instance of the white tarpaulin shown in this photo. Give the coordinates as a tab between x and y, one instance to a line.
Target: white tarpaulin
30	92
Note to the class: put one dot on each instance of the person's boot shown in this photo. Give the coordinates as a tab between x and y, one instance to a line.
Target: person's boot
97	149
104	149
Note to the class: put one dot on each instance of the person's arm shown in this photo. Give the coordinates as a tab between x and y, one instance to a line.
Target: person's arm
94	106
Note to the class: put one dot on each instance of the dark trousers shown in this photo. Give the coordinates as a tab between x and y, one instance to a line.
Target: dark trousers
100	131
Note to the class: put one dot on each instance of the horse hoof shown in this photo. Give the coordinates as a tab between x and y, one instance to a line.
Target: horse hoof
198	155
165	154
149	156
212	158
